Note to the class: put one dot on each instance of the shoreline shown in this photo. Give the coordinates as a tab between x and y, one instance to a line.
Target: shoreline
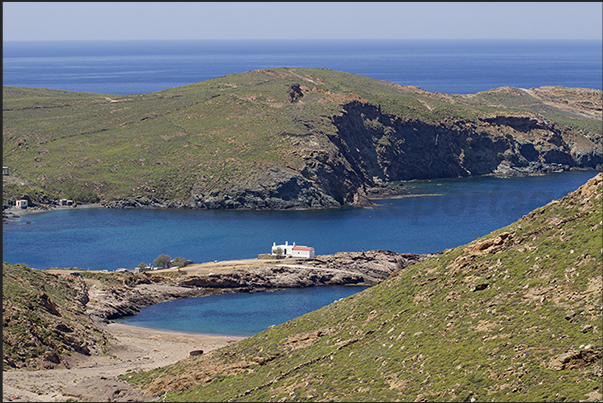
94	378
17	213
14	213
133	348
212	340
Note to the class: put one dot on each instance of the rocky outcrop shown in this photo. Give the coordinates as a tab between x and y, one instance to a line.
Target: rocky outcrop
118	301
272	189
374	265
344	268
393	148
144	202
44	320
274	277
576	359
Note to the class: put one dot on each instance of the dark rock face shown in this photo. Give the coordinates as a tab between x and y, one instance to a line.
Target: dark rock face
274	189
576	359
521	124
393	148
50	307
142	202
371	150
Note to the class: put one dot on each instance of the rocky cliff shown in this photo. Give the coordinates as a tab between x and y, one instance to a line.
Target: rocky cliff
371	152
390	148
44	319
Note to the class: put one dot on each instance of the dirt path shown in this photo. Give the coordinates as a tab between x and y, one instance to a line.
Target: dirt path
94	378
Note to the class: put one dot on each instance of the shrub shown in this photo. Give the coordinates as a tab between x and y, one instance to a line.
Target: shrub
179	262
162	261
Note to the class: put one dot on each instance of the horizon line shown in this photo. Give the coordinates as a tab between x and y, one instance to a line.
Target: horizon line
304	39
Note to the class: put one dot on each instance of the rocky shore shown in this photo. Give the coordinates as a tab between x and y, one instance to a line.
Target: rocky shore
253	275
64	371
69	305
13	213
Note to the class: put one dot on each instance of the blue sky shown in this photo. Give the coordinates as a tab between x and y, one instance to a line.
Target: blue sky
301	20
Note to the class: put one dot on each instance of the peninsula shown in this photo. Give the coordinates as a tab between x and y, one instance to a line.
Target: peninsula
285	138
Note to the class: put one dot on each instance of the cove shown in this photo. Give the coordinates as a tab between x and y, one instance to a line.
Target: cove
237	314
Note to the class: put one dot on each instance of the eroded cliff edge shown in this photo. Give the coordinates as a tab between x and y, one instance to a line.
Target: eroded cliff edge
372	152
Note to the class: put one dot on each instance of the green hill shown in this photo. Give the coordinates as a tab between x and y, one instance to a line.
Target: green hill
512	316
283	138
44	320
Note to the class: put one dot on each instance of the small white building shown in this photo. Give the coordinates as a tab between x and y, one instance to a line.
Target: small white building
143	269
292	250
21	203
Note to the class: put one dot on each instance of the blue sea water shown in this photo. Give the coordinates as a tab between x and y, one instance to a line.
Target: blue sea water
448	66
238	314
449	212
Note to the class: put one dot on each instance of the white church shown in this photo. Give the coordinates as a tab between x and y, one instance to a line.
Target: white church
292	250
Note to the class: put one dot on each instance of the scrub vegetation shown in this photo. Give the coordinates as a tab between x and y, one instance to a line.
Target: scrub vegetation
197	141
43	317
512	316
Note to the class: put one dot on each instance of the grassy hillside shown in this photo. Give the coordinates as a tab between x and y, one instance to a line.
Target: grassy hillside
44	320
513	316
280	132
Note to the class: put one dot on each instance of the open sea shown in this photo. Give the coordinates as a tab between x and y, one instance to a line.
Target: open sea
441	214
448	66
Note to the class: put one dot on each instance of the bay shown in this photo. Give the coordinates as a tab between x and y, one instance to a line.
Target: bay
237	314
435	215
441	214
448	66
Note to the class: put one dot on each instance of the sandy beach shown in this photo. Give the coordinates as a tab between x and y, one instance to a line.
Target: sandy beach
95	378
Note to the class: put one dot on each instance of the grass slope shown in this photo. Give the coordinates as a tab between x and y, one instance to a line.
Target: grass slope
43	318
181	142
512	316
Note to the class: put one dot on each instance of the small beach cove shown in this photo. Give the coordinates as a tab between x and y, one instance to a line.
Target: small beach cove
132	349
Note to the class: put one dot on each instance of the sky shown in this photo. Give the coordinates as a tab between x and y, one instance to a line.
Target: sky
300	20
